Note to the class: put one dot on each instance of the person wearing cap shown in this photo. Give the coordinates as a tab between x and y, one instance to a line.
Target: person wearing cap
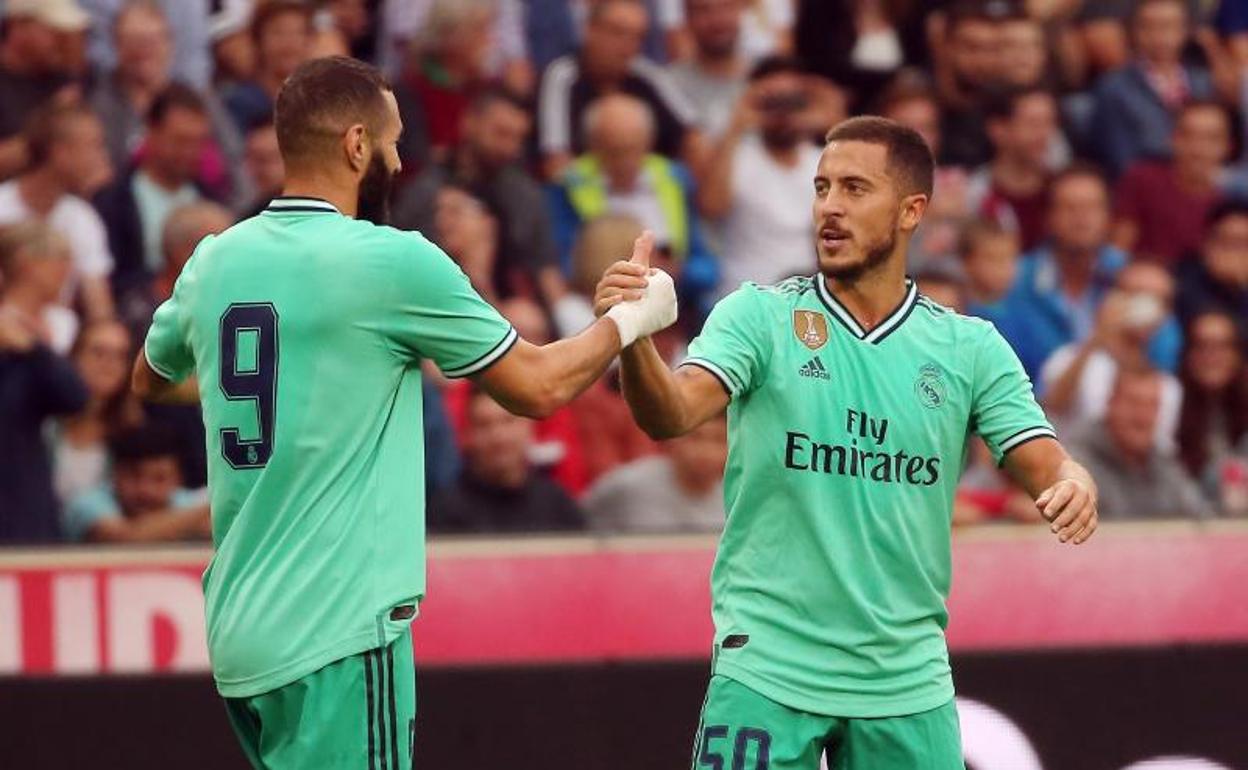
38	40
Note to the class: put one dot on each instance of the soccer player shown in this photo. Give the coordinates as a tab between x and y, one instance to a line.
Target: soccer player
850	398
306	326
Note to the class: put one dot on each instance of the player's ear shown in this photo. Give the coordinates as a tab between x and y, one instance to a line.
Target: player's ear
355	144
912	209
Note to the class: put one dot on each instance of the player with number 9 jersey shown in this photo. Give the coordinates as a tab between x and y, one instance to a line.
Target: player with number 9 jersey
306	327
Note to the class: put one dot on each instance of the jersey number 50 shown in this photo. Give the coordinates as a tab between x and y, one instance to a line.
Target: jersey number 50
249	373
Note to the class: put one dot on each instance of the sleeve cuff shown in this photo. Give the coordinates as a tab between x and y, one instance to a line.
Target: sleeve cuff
162	371
484	362
1022	437
725	380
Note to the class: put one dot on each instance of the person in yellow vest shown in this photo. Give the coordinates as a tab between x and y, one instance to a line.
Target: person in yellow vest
622	175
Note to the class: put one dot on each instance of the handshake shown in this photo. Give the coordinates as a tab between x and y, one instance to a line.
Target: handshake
640	299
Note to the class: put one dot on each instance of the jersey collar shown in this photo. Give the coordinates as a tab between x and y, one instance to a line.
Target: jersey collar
286	204
884	328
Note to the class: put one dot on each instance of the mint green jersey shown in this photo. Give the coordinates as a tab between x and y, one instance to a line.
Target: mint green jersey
844	450
306	330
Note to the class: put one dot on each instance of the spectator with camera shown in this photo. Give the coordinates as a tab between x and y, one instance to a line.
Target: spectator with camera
1077	378
757	188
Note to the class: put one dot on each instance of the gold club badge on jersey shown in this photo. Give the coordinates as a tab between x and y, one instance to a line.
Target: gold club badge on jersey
811	327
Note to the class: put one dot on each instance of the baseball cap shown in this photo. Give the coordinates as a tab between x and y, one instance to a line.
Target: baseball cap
64	15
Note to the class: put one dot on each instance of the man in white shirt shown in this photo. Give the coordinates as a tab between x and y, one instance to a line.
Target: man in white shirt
758	183
714	78
68	159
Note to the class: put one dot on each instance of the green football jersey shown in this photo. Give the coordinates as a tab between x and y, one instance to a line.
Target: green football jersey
844	451
306	330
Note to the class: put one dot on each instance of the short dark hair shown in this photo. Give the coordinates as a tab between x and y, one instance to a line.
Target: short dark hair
774	65
491	95
1001	104
910	160
1225	209
148	441
321	99
47	126
175	96
987	11
1077	169
268	10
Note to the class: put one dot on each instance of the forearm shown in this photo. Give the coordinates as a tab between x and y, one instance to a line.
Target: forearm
166	526
535	381
652	391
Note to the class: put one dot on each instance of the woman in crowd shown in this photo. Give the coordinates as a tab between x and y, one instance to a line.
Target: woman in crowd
1213	423
102	355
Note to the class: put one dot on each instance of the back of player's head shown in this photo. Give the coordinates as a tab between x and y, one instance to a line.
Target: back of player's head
321	100
910	160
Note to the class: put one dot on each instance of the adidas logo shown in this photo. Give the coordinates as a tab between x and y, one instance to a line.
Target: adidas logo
814	368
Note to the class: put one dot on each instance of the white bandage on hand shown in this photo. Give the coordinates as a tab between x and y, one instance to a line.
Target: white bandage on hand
655	311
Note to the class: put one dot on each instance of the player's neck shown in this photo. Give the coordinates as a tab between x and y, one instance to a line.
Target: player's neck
346	201
872	296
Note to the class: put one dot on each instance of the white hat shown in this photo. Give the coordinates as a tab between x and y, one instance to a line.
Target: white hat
64	15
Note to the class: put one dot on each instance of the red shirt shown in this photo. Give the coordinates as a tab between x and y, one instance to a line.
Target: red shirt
1169	220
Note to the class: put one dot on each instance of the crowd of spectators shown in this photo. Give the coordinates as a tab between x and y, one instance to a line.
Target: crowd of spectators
1091	201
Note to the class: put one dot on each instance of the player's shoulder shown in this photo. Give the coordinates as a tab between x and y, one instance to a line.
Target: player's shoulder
752	297
947	316
782	292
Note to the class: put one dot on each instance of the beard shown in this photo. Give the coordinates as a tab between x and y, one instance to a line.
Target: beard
373	198
876	254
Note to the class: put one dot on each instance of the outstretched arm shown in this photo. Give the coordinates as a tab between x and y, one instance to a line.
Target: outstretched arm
534	381
664	403
1064	491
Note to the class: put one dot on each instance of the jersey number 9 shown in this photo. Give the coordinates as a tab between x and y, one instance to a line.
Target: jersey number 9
248	369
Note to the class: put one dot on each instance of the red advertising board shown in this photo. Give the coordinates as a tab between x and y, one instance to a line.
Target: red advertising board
583	599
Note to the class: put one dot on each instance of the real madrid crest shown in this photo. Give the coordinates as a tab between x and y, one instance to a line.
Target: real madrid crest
811	327
930	386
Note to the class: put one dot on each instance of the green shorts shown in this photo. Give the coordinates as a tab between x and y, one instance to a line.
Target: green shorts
358	713
742	730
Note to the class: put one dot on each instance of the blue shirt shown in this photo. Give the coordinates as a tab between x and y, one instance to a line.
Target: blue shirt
100	504
1038	316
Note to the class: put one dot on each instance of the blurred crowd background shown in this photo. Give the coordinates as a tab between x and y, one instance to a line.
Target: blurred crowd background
1091	201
